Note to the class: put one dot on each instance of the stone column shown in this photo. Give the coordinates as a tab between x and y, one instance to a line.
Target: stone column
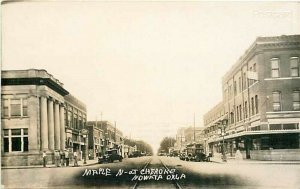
56	126
44	124
62	127
50	124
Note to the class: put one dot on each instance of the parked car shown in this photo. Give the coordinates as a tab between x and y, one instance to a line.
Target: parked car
110	156
135	154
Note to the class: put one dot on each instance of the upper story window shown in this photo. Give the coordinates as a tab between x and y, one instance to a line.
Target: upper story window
296	100
244	80
240	84
294	63
14	107
275	67
256	104
234	87
252	106
246	109
277	101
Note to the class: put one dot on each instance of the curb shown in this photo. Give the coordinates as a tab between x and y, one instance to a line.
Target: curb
41	167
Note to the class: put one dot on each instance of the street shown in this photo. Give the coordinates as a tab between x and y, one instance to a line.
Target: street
157	172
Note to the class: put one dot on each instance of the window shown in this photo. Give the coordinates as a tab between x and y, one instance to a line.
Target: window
15	140
256	104
244	80
240	84
275	67
246	109
237	114
296	100
14	107
5	108
254	67
70	119
241	112
294	62
234	87
231	117
252	106
276	101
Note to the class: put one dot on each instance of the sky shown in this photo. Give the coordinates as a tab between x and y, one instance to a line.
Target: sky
148	66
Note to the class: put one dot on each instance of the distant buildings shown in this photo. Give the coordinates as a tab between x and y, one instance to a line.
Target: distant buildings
110	136
260	110
188	135
38	114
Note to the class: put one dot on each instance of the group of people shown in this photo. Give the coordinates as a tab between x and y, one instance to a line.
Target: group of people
62	158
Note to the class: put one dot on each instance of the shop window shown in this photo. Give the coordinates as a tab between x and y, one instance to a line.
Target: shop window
289	126
276	101
275	126
294	63
296	100
275	67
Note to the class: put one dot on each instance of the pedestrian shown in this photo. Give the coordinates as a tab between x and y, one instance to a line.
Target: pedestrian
57	158
62	158
67	157
44	158
75	159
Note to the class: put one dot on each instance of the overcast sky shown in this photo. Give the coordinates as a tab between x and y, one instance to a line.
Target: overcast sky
149	66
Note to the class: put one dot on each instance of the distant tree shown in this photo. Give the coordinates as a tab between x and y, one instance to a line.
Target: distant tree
141	145
166	143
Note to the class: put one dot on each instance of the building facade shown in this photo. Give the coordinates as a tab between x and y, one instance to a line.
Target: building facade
260	110
34	116
180	139
113	137
96	141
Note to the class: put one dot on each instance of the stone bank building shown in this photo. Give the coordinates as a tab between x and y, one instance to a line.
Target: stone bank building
260	109
38	114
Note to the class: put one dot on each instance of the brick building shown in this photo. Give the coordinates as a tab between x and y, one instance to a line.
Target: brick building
261	103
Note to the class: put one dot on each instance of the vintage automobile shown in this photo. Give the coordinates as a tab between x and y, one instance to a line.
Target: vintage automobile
195	152
134	154
110	156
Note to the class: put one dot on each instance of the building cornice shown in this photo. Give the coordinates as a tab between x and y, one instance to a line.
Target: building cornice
35	81
261	44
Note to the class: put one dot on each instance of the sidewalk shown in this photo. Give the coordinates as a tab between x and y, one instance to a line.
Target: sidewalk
232	160
80	164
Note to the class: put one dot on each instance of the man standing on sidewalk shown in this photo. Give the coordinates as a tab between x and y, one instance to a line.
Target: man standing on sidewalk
67	157
75	159
44	158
